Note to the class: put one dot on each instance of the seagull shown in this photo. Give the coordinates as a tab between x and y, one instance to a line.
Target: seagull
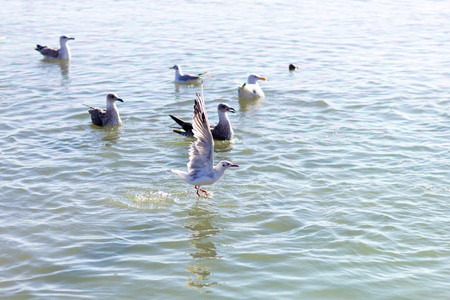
55	53
201	170
221	132
185	78
110	117
251	89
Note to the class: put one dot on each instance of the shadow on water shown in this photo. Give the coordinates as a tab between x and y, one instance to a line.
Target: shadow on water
201	227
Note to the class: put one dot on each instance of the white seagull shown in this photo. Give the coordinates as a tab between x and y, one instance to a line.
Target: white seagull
54	53
251	89
185	78
201	170
110	117
221	132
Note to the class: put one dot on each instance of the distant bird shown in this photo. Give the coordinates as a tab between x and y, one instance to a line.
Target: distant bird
251	89
185	78
110	117
54	53
292	67
201	170
222	131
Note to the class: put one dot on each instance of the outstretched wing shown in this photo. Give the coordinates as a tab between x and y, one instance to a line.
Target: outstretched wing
201	151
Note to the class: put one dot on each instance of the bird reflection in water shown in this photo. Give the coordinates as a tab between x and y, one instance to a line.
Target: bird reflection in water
63	64
201	227
248	104
110	134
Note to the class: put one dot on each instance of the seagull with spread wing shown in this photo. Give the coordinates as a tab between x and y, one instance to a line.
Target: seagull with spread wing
201	170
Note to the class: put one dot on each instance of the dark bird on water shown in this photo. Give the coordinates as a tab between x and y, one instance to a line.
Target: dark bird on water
108	117
222	131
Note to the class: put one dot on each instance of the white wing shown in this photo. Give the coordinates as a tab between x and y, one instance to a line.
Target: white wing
201	151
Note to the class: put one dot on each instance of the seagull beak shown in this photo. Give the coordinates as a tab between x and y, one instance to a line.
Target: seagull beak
171	68
71	38
234	166
118	99
231	110
262	78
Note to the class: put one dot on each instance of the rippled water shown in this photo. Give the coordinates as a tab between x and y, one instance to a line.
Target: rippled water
343	187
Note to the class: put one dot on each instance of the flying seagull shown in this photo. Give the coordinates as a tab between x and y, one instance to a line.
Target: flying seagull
201	170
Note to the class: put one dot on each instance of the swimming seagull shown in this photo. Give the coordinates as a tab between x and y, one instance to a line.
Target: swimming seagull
185	78
201	154
222	131
55	53
251	89
292	67
110	117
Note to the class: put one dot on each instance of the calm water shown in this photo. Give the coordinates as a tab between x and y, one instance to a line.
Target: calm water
344	183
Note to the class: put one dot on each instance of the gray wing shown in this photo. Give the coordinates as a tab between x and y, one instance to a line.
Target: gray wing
189	77
201	151
98	116
48	52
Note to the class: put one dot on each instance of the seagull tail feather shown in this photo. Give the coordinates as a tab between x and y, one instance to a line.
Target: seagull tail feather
88	106
184	133
179	121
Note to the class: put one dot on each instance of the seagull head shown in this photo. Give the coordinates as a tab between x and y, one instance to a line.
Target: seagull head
253	78
113	98
175	67
222	107
65	38
226	164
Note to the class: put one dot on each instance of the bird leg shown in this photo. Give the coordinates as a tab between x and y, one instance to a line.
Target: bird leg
199	189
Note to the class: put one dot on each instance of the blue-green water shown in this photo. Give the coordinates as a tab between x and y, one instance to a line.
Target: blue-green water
343	187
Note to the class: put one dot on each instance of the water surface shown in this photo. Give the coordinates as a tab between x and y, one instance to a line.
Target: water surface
343	187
